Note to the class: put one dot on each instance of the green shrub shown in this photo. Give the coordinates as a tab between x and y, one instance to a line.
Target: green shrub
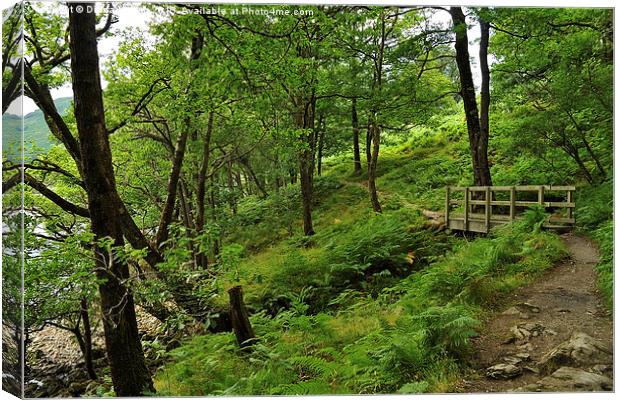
604	235
594	205
594	214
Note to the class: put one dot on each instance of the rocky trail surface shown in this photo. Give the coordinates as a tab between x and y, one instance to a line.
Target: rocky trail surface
554	335
56	365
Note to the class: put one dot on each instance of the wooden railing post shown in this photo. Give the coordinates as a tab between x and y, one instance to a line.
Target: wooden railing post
541	195
466	210
569	199
487	208
513	199
447	207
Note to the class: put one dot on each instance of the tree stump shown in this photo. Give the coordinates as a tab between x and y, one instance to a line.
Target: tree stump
239	318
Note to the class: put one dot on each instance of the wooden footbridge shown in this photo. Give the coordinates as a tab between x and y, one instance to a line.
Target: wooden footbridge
480	208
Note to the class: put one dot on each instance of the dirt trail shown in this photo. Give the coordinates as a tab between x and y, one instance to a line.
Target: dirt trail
539	317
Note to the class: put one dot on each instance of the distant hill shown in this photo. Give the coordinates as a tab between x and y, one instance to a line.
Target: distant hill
37	137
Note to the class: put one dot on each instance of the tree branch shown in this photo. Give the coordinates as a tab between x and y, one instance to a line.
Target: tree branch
55	198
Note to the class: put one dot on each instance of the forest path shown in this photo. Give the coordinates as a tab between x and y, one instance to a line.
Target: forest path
554	334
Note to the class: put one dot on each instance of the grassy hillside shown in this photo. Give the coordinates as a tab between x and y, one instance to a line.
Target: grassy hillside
37	138
371	303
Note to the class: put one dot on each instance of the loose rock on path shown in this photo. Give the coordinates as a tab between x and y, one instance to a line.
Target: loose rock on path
554	335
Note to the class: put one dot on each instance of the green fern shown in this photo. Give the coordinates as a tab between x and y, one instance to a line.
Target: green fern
304	388
450	327
310	366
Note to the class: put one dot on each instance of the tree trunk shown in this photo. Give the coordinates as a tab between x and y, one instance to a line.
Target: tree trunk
248	167
278	181
368	144
232	196
584	140
186	212
239	183
179	152
477	144
601	170
374	130
172	187
304	120
20	366
202	175
214	213
573	152
372	167
88	341
357	164
321	145
130	376
240	319
201	258
482	151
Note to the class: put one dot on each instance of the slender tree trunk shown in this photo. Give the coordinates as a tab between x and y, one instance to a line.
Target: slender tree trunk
368	143
183	209
20	368
306	195
171	190
80	339
357	164
130	376
374	128
584	140
573	152
248	167
372	168
213	206
321	145
304	120
202	175
278	181
601	170
88	340
186	212
482	150
179	153
232	198
477	144
239	183
248	182
201	258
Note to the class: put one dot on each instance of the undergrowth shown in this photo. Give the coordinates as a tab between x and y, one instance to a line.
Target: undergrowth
409	337
594	215
371	303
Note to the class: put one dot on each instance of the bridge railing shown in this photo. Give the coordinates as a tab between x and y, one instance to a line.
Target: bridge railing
483	207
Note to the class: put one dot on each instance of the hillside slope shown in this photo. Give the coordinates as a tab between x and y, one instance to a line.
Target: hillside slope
37	139
371	303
